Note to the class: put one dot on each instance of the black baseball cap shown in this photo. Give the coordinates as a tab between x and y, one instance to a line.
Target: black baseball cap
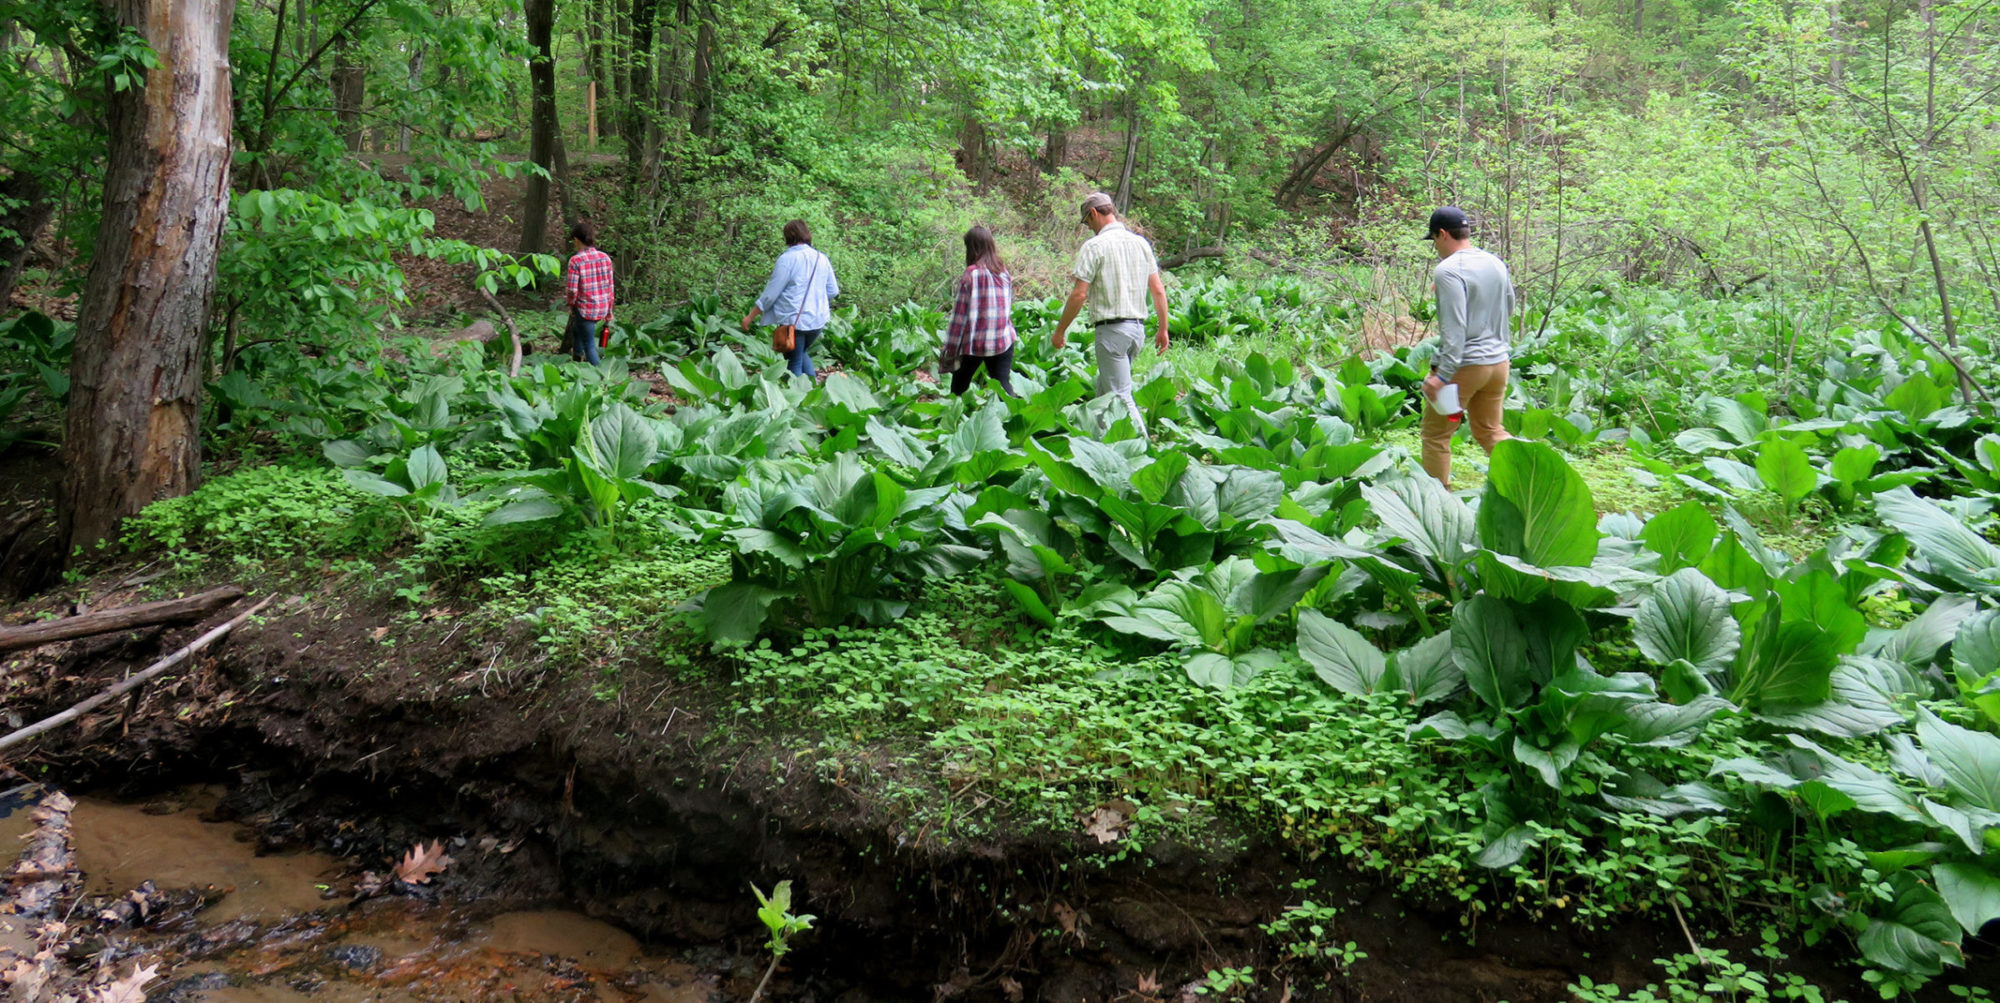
1448	217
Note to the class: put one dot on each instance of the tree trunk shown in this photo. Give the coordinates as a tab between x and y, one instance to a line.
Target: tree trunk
638	82
598	13
416	84
1055	149
975	148
701	82
1124	196
541	16
133	432
25	207
350	85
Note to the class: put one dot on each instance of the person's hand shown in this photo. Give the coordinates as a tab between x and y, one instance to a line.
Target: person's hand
748	319
1062	338
1160	339
1432	385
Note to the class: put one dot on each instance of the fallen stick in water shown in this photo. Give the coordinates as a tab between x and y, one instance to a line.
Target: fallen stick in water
122	618
134	682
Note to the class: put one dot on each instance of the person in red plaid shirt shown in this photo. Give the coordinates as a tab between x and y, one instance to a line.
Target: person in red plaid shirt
982	319
588	284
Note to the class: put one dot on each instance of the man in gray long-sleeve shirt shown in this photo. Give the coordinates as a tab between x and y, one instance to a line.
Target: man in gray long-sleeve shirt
1475	299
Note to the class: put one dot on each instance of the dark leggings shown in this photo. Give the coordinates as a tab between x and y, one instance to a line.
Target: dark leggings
1000	367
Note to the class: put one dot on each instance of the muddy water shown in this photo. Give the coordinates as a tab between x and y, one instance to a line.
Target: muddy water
265	932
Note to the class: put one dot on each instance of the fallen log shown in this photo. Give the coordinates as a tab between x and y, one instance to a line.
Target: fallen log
134	682
513	333
1194	254
48	863
123	618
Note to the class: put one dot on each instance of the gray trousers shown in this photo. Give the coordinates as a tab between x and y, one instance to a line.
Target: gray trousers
1117	345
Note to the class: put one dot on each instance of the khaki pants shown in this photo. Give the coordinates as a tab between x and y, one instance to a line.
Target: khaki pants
1481	391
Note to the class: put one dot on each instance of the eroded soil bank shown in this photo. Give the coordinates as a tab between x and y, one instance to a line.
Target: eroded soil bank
348	734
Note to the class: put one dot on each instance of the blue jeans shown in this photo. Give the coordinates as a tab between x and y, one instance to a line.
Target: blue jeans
582	337
797	362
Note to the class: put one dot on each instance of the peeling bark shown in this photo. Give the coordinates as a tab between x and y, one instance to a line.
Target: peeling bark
135	391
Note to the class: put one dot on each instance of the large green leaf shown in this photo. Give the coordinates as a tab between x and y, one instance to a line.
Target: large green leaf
1155	479
374	483
1687	616
1548	764
622	443
1918	641
1666	724
1969	760
1537	508
1224	672
1105	466
1737	419
346	453
1341	656
426	468
1950	546
1248	494
1916	933
1972	894
533	505
1682	536
1786	663
1487	643
1030	602
736	612
1819	598
1784	468
1427	670
1420	512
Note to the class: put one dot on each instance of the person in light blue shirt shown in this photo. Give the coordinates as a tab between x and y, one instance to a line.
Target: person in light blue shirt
801	285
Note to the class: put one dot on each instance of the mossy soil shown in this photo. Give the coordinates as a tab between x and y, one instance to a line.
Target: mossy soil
351	722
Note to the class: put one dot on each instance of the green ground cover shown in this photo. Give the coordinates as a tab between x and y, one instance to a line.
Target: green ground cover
1722	645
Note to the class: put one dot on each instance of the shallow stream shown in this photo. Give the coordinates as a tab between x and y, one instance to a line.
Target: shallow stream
244	927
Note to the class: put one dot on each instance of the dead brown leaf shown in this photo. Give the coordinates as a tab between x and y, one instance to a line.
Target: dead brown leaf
26	979
1107	824
1012	988
422	863
379	633
1071	921
130	989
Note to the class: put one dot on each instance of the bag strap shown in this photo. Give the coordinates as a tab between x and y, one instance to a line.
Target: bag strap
807	289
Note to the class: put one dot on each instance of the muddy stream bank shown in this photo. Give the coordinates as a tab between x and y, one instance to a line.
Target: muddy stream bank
604	849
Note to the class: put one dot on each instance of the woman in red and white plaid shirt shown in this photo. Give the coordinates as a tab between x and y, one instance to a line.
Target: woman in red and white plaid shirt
982	319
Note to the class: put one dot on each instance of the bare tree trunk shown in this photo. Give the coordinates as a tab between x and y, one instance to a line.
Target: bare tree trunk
638	82
541	15
133	431
974	146
350	85
1124	196
701	82
25	207
595	54
1055	150
416	83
